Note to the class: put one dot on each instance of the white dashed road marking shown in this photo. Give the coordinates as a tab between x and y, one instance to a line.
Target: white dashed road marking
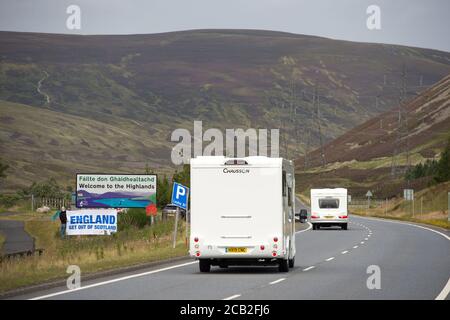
309	268
113	281
277	281
446	290
233	297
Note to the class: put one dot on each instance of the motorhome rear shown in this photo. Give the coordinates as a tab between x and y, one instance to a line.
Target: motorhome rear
329	208
242	212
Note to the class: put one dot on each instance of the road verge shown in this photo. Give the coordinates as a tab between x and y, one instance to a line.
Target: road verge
60	282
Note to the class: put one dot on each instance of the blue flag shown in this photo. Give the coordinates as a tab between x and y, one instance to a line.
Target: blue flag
56	215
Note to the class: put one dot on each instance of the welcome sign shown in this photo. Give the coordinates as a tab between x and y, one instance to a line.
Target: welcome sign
91	222
115	190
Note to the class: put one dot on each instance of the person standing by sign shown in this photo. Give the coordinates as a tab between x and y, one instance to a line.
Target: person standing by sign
63	219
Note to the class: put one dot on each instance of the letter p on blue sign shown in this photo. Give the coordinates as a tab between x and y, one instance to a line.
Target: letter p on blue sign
180	195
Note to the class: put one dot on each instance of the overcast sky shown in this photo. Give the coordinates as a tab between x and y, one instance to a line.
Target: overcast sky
421	23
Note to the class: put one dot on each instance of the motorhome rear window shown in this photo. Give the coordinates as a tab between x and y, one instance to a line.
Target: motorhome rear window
236	162
328	203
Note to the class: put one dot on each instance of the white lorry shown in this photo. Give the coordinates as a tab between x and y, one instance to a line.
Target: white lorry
329	208
242	212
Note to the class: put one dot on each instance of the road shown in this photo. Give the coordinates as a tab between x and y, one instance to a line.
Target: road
16	238
414	263
39	86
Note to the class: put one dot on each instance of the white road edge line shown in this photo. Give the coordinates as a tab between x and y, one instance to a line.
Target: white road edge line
408	224
362	242
232	297
310	226
329	259
444	293
446	290
112	281
354	247
277	281
309	268
344	252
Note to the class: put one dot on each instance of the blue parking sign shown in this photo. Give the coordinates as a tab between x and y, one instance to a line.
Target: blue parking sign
180	195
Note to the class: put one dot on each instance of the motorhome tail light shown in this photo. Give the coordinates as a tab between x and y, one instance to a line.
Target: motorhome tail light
262	247
343	217
274	253
275	239
197	253
275	246
195	239
314	216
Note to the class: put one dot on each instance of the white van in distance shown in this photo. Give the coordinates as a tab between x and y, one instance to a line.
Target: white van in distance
242	212
329	208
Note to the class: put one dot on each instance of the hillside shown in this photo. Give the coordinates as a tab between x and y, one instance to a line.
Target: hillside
45	144
430	207
146	86
363	159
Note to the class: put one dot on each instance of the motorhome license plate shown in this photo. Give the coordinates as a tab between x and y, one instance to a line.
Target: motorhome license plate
236	250
329	217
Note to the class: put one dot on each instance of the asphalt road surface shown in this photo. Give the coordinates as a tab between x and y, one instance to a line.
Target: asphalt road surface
299	205
16	238
413	262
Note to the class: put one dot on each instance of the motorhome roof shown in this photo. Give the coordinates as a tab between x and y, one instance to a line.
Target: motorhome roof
220	160
329	191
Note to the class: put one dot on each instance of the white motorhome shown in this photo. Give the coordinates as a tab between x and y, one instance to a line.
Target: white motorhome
242	212
329	208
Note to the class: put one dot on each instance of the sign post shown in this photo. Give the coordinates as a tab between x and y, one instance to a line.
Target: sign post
421	205
151	211
176	228
180	196
368	195
408	195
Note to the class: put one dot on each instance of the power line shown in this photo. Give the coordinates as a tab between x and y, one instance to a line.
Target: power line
319	126
402	138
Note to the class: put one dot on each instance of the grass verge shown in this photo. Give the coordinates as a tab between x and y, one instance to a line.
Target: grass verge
430	207
438	220
2	241
91	253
